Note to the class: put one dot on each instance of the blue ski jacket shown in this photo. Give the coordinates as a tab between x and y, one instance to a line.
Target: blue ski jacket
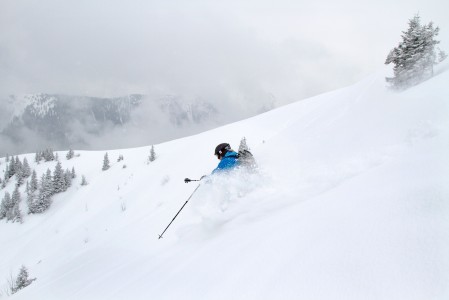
228	162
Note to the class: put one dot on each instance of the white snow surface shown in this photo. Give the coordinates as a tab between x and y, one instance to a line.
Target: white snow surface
351	202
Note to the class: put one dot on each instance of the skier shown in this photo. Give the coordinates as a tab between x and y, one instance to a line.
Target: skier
228	158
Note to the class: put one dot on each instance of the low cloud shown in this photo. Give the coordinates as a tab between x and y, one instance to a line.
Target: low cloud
291	49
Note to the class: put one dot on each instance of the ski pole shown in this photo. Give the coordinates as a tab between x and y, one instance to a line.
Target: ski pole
160	236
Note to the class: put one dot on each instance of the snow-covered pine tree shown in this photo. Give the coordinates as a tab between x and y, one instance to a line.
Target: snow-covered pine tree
27	188
48	154
73	173
22	280
49	187
28	193
5	205
12	167
18	167
83	180
26	170
10	203
67	178
415	55
105	162
59	183
6	176
43	200
34	185
16	214
245	156
441	55
152	156
37	157
20	178
31	193
18	164
243	146
4	182
31	197
70	154
9	172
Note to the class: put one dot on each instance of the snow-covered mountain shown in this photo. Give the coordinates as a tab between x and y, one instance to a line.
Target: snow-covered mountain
39	121
351	201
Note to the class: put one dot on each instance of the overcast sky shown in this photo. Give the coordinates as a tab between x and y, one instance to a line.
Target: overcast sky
216	50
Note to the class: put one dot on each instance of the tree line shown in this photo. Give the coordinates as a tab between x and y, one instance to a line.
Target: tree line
38	192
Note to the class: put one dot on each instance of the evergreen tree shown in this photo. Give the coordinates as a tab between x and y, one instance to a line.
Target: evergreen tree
37	157
18	164
33	183
415	55
31	197
59	183
152	156
15	214
12	168
83	180
441	55
43	200
9	207
106	162
27	188
22	280
48	155
70	154
245	157
4	182
49	187
5	205
6	176
31	193
26	170
243	146
67	178
73	173
19	171
28	192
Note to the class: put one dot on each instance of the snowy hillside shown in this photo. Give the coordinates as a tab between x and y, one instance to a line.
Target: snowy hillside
351	202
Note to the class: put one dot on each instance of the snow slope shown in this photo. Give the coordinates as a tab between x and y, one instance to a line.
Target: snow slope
351	202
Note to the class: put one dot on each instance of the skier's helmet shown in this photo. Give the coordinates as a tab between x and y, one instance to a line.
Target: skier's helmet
221	150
